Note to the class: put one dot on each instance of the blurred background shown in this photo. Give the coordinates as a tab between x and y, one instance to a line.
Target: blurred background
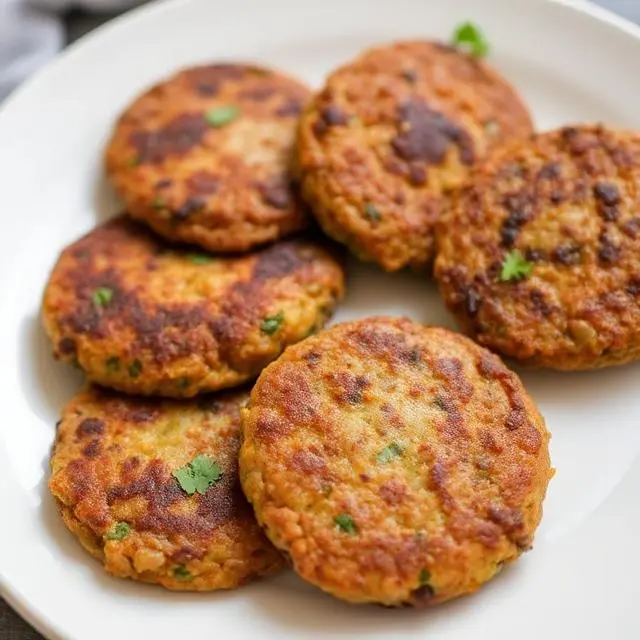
31	33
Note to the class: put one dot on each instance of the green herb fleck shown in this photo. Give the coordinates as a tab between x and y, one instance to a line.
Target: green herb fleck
102	296
119	531
181	572
470	38
515	267
327	490
439	402
158	203
183	383
135	368
345	523
423	577
271	324
371	213
199	258
134	162
198	475
388	453
221	116
112	364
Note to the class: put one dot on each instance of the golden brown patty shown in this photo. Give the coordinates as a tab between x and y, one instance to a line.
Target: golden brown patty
390	134
394	463
204	157
540	259
150	488
139	316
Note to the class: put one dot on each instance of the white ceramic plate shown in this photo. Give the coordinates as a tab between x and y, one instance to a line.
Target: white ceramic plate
571	61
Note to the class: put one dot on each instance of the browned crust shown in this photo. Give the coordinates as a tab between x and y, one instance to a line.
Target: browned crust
176	327
226	188
568	201
390	134
462	498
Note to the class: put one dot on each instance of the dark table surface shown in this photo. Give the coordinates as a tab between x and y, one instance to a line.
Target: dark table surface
12	627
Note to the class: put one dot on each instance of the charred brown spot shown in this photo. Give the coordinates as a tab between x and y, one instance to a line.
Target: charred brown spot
334	116
348	388
393	491
187	554
451	370
163	184
92	449
519	212
608	251
203	183
276	193
313	357
633	288
175	139
538	304
410	75
278	261
90	427
417	175
207	80
291	108
510	521
472	301
607	198
270	428
567	255
422	597
309	463
534	255
631	228
190	206
260	93
453	428
550	171
426	135
67	347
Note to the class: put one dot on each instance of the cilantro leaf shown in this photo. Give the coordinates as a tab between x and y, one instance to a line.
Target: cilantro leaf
199	258
423	577
102	296
345	523
202	472
271	324
180	572
135	368
515	267
470	38
221	116
119	531
388	453
371	212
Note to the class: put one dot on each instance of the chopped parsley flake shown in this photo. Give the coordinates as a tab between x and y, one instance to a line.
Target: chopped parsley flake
181	572
271	324
388	453
202	472
102	296
221	116
423	577
158	203
345	523
515	267
112	364
135	368
119	531
371	212
183	383
199	258
470	38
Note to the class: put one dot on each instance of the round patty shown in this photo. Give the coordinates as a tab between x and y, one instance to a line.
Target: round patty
540	259
142	317
151	489
394	463
390	135
204	157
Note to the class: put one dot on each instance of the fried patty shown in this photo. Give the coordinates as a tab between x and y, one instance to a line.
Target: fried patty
394	463
116	470
140	316
565	207
390	135
204	157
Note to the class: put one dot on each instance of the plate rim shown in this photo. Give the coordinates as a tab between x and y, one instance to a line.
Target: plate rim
19	603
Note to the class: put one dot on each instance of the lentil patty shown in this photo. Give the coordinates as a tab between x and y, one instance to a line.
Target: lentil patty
394	463
112	477
564	207
393	132
139	316
204	157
